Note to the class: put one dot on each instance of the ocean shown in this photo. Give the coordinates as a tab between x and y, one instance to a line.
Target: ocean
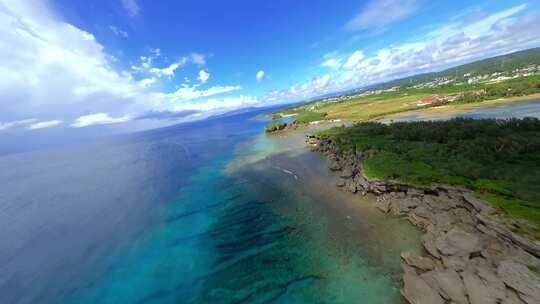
207	212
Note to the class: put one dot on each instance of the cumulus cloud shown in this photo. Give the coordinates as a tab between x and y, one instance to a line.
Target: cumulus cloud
452	44
66	71
98	119
378	14
168	71
147	82
118	32
198	59
315	87
203	76
354	60
44	124
131	7
227	103
191	92
332	63
259	76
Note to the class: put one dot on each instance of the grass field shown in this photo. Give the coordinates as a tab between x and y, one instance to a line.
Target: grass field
387	103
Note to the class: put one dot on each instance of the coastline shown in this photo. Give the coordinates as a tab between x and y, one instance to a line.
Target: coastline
446	110
353	246
469	257
436	112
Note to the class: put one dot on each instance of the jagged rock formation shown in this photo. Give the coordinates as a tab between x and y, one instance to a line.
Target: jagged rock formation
470	256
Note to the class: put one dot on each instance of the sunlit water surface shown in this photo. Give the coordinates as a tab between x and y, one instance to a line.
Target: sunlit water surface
212	212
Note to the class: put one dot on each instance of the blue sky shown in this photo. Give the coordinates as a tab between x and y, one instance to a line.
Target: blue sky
132	64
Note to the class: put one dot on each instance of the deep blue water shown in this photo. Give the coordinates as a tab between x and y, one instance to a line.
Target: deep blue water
155	217
63	212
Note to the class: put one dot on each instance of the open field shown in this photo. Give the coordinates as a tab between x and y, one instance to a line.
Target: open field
453	98
461	108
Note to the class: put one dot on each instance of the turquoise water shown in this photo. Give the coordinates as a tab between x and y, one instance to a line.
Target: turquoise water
216	213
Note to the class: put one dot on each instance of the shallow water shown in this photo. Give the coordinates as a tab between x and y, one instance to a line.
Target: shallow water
519	109
214	212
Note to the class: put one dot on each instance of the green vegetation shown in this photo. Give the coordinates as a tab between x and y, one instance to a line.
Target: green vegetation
510	88
307	117
275	126
497	64
498	159
386	103
510	75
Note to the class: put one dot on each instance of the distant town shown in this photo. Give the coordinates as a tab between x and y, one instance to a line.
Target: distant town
459	80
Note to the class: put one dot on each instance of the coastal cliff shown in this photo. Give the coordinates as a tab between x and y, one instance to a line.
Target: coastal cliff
471	255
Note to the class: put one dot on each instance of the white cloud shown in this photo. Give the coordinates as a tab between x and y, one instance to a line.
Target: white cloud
147	82
155	52
333	63
131	7
118	32
354	60
452	44
259	76
65	72
378	14
203	76
227	103
11	124
98	119
44	124
168	71
198	59
315	87
190	93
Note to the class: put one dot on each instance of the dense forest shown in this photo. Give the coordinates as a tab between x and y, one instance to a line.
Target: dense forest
498	159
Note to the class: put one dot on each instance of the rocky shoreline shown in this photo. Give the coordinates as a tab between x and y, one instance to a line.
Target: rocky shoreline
470	255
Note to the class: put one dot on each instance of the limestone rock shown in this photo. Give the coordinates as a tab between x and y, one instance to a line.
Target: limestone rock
423	211
418	221
532	246
455	263
477	204
511	298
490	279
417	291
439	202
409	203
464	216
428	241
384	206
443	220
350	186
448	283
347	173
334	166
522	279
417	261
523	257
458	243
479	292
340	182
413	192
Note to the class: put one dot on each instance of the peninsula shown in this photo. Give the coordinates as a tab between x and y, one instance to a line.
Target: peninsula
470	185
